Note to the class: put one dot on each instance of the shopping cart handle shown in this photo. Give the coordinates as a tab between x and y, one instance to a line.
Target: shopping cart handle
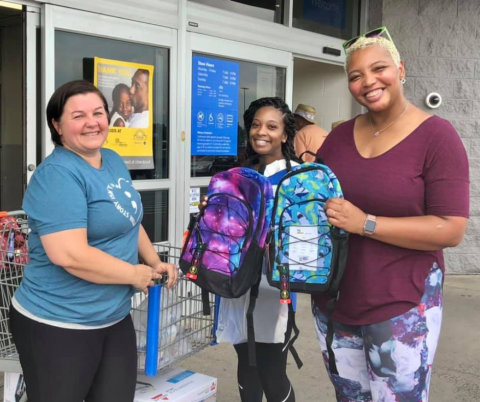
153	326
4	214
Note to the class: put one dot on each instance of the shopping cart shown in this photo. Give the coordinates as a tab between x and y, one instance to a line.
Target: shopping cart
183	330
13	258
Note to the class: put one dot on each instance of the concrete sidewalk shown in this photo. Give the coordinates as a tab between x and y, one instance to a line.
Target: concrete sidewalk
456	374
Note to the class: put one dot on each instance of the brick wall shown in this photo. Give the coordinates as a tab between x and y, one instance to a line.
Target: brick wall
439	40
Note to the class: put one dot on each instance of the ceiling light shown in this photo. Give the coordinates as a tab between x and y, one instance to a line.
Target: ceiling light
7	4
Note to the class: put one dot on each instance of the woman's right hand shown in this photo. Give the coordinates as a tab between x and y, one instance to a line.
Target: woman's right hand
144	277
203	203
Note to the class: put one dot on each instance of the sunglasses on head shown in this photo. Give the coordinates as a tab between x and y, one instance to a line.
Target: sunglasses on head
374	33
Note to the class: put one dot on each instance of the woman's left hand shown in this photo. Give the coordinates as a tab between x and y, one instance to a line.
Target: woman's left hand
344	215
169	269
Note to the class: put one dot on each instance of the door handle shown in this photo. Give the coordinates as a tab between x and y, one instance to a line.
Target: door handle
31	167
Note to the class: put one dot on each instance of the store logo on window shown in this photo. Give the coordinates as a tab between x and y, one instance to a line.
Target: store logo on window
326	12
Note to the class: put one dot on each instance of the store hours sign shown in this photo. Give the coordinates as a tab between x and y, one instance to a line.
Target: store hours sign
214	106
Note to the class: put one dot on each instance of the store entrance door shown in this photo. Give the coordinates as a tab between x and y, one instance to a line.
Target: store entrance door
12	138
223	78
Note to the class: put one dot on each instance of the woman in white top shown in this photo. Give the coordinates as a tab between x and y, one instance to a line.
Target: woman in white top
271	127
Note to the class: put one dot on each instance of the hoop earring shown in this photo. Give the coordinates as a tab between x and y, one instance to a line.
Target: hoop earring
403	80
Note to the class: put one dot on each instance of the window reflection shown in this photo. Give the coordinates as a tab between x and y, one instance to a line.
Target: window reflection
155	214
72	55
268	10
336	18
12	84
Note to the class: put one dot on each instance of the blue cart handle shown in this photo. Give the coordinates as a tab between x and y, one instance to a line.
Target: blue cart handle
153	327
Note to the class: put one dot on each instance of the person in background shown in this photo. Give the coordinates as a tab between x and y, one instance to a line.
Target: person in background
336	123
122	106
271	128
140	99
70	317
405	179
309	136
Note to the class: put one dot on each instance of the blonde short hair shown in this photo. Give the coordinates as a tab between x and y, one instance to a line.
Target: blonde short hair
384	43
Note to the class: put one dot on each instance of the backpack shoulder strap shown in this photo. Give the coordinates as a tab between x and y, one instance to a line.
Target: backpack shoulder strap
252	356
340	245
317	158
292	326
206	302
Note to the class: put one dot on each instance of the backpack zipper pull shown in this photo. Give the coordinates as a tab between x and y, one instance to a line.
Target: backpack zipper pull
284	284
197	257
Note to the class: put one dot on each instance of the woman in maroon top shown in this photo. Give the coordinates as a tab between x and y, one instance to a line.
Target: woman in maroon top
404	174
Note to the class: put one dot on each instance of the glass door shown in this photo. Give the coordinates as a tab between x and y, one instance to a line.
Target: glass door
223	78
133	65
18	45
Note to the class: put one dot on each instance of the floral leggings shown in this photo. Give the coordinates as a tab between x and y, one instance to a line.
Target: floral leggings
390	361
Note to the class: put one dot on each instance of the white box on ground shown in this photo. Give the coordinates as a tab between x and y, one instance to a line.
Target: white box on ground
176	385
14	388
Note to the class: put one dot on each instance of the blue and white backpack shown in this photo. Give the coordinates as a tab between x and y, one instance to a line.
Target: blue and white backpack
306	253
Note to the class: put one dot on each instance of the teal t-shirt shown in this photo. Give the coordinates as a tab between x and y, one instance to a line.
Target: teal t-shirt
66	192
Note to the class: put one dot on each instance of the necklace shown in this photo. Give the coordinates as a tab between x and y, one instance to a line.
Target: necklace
377	133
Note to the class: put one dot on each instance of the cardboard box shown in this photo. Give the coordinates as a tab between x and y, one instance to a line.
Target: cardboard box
176	385
14	388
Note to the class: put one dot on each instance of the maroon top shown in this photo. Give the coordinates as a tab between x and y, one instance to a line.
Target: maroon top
425	174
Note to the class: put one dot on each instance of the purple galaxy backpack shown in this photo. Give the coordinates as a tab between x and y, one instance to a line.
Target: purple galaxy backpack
225	244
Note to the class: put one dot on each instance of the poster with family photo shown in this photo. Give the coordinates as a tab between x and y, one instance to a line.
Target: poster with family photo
128	88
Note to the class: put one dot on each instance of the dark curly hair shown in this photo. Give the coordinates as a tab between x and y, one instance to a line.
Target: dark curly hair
117	91
288	151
